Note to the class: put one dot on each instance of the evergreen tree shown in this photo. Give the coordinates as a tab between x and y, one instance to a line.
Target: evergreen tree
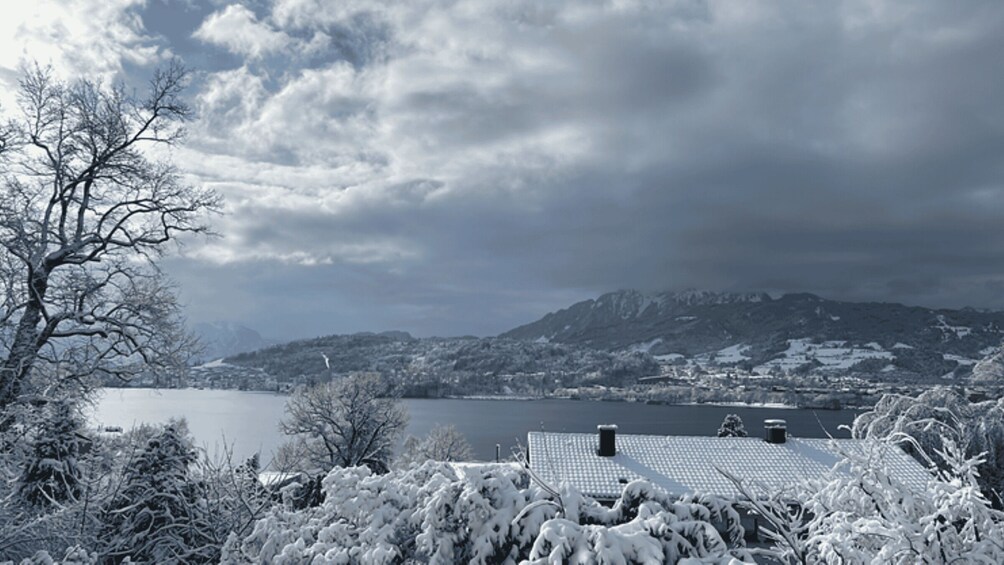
53	473
732	426
160	514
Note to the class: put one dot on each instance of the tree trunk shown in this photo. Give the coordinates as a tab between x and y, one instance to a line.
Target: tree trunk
24	349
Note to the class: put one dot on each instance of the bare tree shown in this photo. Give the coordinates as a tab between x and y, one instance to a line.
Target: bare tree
443	443
86	209
346	423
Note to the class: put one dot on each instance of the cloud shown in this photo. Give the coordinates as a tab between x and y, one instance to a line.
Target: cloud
237	29
573	148
95	39
453	166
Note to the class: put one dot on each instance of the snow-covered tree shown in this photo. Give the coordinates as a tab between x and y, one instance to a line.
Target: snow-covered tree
52	474
159	514
344	423
85	210
732	426
443	443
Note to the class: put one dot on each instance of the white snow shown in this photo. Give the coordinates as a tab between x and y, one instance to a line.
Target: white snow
833	355
772	405
732	354
946	328
669	357
645	346
902	346
958	359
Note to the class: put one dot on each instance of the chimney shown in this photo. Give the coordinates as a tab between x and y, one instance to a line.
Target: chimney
608	440
775	431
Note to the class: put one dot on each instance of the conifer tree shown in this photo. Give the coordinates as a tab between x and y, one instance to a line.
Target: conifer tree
53	474
732	426
160	514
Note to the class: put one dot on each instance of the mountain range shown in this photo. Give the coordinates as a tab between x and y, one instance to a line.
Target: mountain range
222	339
761	332
626	332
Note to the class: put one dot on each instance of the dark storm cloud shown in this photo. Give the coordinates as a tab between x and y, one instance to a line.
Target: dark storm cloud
462	168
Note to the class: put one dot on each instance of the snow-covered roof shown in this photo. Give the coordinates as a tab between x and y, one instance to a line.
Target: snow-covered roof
688	464
273	478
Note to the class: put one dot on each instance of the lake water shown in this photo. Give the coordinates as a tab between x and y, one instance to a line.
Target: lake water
249	420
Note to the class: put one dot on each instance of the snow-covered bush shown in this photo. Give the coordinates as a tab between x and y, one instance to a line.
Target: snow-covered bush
47	482
74	555
645	525
941	414
487	514
160	513
865	514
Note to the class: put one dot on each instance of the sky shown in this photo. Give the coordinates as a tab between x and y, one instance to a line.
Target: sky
463	167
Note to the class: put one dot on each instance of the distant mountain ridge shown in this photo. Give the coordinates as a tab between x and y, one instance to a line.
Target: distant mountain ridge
223	338
756	329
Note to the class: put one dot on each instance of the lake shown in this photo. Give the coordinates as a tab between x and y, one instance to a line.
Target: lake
248	421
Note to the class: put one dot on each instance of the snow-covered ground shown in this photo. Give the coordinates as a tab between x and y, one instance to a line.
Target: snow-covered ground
957	331
832	355
645	346
959	359
669	357
730	355
777	405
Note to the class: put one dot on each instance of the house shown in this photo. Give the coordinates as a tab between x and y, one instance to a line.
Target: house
599	465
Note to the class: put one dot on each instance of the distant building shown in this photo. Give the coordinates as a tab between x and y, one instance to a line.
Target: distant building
599	465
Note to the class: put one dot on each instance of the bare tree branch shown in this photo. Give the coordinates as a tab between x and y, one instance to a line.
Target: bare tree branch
85	212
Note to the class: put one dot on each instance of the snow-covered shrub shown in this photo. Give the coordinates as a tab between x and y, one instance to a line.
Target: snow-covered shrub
939	414
47	482
486	514
480	518
160	513
368	518
645	525
865	514
870	516
74	555
234	497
